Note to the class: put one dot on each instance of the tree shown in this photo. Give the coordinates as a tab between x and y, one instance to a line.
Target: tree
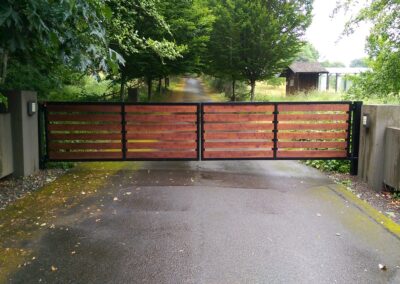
328	63
383	47
308	53
268	37
69	30
224	55
359	62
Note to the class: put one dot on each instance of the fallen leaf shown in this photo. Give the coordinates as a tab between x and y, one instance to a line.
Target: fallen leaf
115	198
382	267
128	193
319	215
338	234
53	268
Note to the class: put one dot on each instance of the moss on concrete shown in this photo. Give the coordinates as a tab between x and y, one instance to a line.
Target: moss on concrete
30	216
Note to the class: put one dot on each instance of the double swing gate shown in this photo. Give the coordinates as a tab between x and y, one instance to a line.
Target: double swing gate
200	131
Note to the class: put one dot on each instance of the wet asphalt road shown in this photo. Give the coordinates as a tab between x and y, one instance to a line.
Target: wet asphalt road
214	222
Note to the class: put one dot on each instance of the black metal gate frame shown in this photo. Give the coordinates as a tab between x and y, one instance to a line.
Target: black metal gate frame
352	140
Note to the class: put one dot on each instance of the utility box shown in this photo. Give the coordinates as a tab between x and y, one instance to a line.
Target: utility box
392	158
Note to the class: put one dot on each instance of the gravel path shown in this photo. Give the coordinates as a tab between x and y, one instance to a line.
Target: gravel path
12	188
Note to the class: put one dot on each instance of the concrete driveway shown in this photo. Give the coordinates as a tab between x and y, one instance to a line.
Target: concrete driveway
207	222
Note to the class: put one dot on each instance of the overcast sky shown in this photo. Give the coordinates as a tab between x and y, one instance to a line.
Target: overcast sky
324	34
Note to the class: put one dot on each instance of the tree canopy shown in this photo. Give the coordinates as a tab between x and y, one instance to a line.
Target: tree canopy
383	47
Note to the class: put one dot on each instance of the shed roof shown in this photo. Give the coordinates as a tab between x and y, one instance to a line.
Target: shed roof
307	67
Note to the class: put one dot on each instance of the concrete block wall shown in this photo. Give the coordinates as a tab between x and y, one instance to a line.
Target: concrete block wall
372	142
6	147
392	158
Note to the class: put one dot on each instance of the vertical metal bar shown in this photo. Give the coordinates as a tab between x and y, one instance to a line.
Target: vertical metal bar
349	129
46	130
199	136
123	131
355	139
40	137
276	112
202	132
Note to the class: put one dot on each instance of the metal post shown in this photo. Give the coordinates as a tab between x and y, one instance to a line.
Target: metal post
276	112
123	131
42	164
355	137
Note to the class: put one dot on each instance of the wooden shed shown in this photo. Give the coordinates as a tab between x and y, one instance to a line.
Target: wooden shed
303	76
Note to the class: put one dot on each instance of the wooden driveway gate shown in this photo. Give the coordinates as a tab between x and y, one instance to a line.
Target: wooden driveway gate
200	131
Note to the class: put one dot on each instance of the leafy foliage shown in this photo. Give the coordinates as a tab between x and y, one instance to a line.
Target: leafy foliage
308	53
262	37
383	47
330	165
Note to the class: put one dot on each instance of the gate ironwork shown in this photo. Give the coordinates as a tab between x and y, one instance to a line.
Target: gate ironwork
200	131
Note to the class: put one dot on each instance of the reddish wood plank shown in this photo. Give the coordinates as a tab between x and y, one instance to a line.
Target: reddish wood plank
84	127
162	145
162	155
178	136
85	117
82	146
238	145
161	127
84	108
312	154
237	154
306	144
313	107
313	126
239	108
161	108
238	135
86	136
222	117
84	155
313	116
312	135
161	118
238	126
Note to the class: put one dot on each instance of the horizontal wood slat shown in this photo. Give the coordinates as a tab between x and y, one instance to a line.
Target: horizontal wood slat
237	117
306	144
239	108
85	117
84	155
132	118
86	136
313	126
162	136
312	135
238	126
313	107
84	108
161	108
313	117
162	145
237	154
161	127
237	135
312	154
238	145
85	127
162	155
94	146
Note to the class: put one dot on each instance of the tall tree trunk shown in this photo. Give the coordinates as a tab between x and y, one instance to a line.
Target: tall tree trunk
233	98
166	82
149	85
122	88
252	90
4	62
159	85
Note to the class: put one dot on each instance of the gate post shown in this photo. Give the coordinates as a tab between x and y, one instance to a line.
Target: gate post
123	130
355	137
